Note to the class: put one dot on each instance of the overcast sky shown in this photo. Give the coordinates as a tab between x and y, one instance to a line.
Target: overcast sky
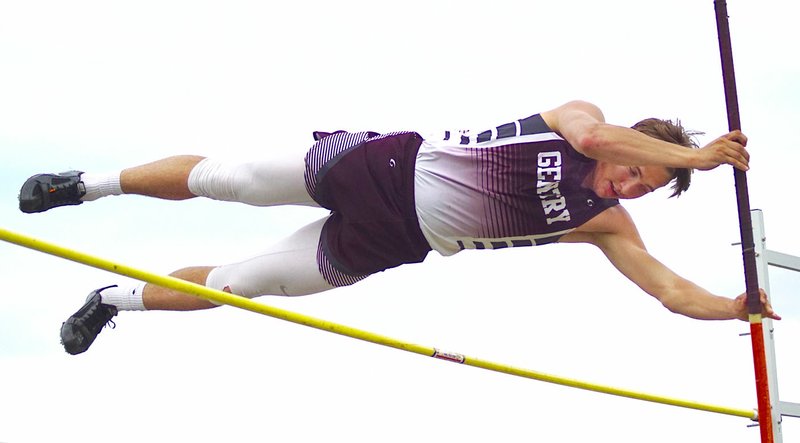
100	85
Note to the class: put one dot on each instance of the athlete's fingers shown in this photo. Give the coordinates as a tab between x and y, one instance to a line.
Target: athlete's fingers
737	136
736	155
738	161
767	310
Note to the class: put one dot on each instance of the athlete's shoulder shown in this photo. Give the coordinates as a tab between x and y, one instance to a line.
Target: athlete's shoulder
613	220
561	116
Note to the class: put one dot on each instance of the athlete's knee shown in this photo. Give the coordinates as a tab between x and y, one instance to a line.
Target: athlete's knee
216	179
222	279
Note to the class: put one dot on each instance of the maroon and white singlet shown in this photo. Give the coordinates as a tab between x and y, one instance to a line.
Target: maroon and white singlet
519	184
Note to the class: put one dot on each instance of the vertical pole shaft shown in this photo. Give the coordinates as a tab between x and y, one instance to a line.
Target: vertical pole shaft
745	230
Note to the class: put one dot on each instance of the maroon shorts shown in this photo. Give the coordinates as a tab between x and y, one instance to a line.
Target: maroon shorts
367	181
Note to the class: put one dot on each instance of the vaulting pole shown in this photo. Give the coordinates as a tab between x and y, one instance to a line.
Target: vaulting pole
253	306
746	230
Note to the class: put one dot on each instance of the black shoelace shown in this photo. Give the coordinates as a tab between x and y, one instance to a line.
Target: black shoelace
68	191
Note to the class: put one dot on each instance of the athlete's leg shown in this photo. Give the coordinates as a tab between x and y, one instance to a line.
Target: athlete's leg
277	180
271	181
158	298
288	268
166	178
274	180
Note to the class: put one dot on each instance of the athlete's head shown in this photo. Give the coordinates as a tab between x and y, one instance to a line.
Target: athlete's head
609	180
671	132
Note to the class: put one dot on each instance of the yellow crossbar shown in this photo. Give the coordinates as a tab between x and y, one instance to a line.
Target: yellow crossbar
221	297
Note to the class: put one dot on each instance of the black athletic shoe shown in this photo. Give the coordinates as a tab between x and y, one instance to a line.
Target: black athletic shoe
44	191
80	330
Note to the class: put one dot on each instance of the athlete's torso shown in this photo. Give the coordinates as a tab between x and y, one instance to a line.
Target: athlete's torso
519	184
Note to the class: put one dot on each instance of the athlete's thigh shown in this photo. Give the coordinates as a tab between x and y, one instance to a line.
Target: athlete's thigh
272	179
288	267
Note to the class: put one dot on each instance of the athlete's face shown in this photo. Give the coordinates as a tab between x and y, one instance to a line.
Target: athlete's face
626	182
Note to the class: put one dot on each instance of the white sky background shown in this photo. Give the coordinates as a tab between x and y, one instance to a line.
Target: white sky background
104	85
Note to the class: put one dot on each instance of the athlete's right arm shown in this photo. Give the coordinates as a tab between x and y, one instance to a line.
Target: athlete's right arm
583	125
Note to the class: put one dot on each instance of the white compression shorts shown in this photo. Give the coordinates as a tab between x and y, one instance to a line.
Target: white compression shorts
270	182
288	267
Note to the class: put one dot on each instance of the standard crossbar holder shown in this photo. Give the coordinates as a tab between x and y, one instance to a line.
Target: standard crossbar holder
764	259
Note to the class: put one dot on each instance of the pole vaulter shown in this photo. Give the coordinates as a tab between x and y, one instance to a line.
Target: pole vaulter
745	229
748	247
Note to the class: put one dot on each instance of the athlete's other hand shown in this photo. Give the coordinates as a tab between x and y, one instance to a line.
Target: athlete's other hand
728	149
766	308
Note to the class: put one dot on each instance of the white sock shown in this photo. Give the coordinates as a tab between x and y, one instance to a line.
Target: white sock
124	298
100	185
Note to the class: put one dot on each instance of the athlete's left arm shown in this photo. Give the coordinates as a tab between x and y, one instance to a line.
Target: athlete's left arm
623	246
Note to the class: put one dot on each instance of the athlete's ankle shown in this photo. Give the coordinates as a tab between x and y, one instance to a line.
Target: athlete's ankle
100	185
125	298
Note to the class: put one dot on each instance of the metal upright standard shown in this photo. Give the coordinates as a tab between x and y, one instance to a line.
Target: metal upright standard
745	230
764	259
